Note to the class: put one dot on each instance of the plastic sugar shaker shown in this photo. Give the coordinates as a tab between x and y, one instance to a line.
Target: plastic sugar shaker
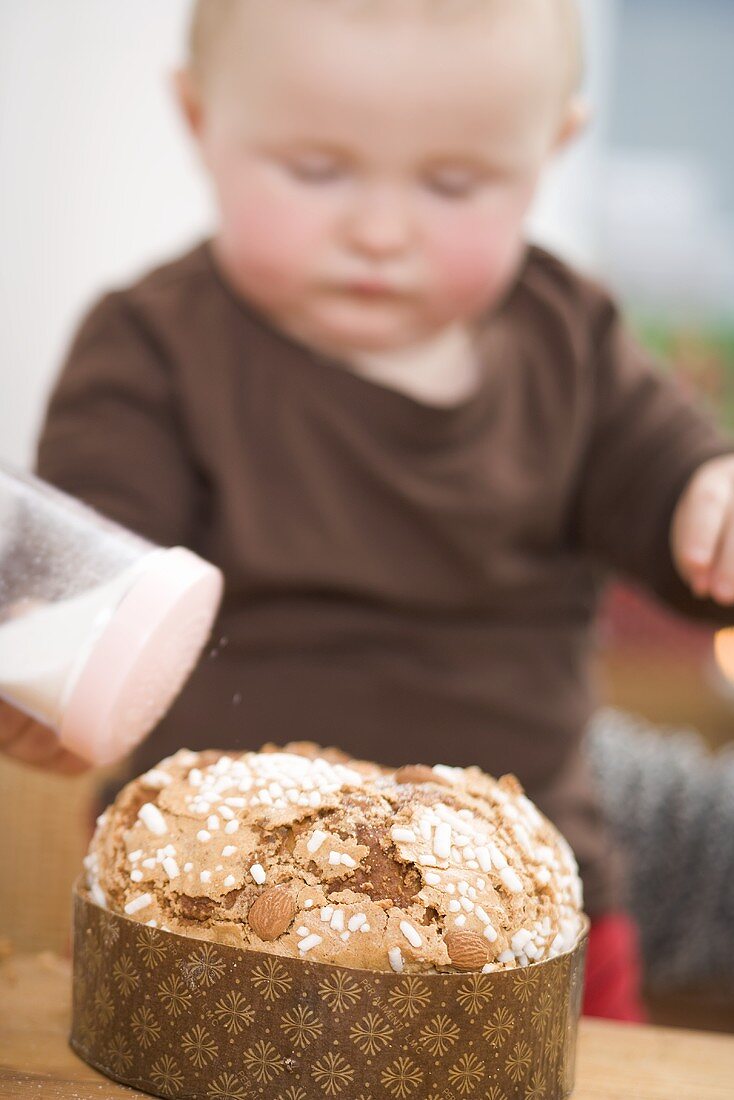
99	629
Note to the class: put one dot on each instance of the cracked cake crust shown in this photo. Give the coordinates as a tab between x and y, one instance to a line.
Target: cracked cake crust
340	860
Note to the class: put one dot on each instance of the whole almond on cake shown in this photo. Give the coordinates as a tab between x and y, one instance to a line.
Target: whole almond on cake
271	913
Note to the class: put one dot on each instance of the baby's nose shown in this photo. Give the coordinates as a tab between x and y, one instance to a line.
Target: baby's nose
379	222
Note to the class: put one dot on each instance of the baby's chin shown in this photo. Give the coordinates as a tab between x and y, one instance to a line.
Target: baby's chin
349	329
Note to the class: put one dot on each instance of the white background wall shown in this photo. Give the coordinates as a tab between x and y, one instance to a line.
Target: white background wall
97	181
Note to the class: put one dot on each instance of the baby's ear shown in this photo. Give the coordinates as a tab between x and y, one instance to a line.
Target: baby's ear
574	120
187	96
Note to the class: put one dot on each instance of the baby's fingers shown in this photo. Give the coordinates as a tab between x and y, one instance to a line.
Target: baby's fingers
698	526
68	763
29	742
721	578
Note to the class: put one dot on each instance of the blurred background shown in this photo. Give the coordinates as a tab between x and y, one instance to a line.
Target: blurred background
98	183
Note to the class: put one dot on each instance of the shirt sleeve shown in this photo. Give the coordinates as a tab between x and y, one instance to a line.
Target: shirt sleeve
670	806
113	434
646	439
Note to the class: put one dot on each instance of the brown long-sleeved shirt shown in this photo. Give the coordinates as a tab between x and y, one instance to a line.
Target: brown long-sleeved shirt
412	583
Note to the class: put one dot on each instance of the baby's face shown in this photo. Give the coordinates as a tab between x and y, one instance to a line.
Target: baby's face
373	176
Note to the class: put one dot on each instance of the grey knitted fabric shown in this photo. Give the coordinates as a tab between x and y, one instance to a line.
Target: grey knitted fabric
670	805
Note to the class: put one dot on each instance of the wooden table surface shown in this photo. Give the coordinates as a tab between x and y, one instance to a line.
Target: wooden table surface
615	1061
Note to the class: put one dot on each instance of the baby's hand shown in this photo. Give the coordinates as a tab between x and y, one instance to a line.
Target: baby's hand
702	531
28	741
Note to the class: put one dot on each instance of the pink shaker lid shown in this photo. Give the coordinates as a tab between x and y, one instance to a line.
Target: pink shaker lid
143	657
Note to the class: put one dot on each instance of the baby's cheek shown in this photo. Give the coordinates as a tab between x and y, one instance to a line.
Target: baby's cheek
267	237
472	264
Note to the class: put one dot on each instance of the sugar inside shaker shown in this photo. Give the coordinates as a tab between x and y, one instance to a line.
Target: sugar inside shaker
99	628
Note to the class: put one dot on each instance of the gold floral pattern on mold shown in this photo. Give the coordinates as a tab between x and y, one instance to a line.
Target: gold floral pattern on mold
535	1088
192	1018
263	1061
519	1061
271	979
401	1078
495	1093
524	983
439	1035
204	966
466	1074
166	1075
145	1026
556	1038
295	1092
151	948
110	935
372	1033
234	1012
174	995
474	994
104	1004
499	1026
226	1086
340	992
410	997
125	975
94	951
199	1046
301	1025
121	1056
333	1073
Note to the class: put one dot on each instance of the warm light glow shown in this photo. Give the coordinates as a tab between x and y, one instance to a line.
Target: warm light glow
724	651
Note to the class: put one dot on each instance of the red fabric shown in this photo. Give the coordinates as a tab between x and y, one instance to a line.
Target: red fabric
613	970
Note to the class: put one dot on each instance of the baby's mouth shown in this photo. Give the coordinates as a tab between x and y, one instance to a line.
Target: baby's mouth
374	289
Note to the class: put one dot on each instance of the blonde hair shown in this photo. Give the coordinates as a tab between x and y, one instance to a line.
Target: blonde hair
209	20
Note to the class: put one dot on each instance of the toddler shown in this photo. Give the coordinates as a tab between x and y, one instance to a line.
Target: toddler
413	443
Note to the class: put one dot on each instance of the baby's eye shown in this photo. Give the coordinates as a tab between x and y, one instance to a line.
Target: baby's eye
314	169
454	184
